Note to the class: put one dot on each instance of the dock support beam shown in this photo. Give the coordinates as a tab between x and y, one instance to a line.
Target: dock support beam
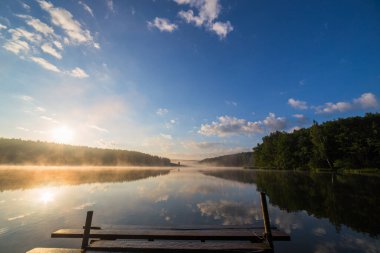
268	232
87	228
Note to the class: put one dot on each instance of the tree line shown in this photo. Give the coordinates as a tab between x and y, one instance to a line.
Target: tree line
236	160
352	143
22	152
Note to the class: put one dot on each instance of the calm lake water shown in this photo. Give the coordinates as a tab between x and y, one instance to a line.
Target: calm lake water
321	212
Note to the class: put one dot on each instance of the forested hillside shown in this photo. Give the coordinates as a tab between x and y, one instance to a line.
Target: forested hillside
352	143
235	160
20	152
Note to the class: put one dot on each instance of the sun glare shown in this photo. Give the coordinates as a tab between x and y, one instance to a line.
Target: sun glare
62	134
46	195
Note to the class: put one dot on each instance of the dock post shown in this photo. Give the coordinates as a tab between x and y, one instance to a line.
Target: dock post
87	228
268	232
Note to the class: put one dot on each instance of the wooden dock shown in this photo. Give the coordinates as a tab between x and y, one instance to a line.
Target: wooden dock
172	239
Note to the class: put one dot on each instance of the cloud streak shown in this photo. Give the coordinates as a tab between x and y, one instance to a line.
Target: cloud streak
365	101
162	24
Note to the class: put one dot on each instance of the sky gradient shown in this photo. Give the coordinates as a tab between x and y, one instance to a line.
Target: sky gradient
184	78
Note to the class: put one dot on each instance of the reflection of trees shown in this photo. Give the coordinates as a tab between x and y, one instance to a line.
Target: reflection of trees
12	179
349	200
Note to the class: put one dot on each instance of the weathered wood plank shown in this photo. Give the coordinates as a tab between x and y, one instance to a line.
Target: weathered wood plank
112	234
177	246
54	250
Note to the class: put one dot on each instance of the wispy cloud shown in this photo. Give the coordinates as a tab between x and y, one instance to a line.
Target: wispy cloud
297	104
226	126
64	19
45	64
208	12
78	73
86	8
49	119
222	29
38	25
22	129
47	48
365	101
100	129
162	24
274	123
110	6
25	6
166	136
162	111
232	103
3	27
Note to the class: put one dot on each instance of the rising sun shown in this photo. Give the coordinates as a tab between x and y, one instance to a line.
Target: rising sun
62	134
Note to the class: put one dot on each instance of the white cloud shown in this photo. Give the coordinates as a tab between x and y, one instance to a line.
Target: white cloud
208	12
162	24
274	123
86	8
65	20
38	25
333	108
45	64
78	73
23	129
16	46
227	125
47	48
233	103
162	111
26	98
166	136
3	27
110	6
21	33
297	104
49	119
98	128
189	17
222	28
58	44
366	100
25	6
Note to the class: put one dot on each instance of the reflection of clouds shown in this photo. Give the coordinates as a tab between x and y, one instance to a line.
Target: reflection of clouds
163	198
3	231
366	245
319	232
286	221
326	247
230	212
164	214
19	216
83	206
98	187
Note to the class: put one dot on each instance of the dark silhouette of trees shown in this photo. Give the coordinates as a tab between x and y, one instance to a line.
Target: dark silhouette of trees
352	143
244	159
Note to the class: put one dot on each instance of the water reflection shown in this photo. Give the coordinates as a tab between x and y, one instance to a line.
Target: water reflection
26	178
178	198
350	200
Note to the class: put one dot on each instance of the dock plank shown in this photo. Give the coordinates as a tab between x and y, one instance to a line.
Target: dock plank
176	246
151	234
53	250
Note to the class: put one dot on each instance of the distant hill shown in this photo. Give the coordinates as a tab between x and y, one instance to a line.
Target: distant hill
21	152
244	159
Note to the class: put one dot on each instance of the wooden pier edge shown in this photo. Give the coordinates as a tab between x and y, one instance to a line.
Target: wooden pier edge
242	239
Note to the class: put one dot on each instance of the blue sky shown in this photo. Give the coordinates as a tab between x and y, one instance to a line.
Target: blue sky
183	78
